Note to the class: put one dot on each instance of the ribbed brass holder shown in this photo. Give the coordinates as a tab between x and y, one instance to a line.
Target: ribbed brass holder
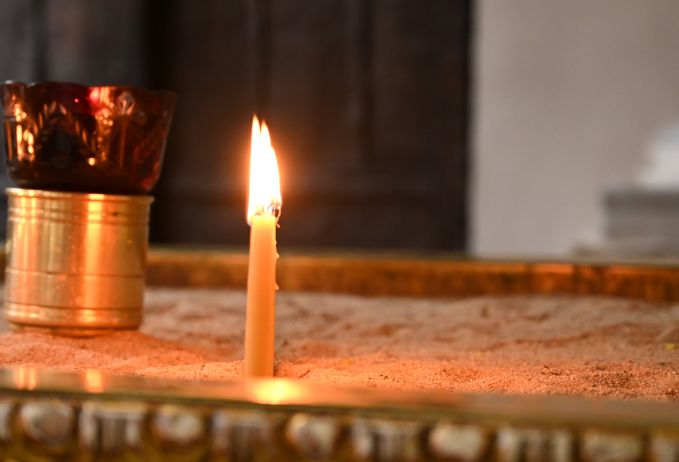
75	261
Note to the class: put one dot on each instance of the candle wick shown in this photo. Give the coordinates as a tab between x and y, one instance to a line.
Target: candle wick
273	209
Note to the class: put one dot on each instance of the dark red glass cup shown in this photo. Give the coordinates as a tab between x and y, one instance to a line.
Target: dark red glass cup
99	139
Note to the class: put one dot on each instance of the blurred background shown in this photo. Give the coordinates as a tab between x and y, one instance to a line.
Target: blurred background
504	128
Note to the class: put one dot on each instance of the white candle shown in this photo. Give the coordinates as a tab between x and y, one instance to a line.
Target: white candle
264	204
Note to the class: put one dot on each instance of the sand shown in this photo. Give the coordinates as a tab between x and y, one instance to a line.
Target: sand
547	345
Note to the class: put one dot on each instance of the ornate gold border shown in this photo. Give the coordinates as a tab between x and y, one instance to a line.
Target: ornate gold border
89	416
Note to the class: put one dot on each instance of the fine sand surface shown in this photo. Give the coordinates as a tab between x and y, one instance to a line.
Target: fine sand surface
552	345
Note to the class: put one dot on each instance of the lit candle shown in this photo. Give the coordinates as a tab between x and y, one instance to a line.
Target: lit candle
264	205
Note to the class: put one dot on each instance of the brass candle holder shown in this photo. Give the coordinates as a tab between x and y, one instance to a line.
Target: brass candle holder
85	159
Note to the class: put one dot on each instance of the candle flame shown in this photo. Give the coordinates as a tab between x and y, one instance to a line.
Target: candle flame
265	184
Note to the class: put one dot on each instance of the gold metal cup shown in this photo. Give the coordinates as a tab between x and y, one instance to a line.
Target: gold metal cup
75	261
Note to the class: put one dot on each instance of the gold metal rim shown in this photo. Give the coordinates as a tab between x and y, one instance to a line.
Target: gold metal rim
66	331
277	419
413	276
84	291
69	317
78	196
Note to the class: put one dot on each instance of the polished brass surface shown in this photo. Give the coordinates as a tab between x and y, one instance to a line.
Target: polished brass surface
422	276
75	262
90	416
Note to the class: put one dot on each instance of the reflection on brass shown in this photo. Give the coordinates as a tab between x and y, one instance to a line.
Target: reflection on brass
665	446
313	437
151	419
75	262
653	281
383	439
422	276
534	445
244	434
623	447
111	430
179	433
49	423
465	443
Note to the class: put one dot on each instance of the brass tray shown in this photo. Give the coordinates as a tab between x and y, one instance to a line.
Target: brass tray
90	416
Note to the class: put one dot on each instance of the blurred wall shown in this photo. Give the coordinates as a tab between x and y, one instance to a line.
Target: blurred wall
568	93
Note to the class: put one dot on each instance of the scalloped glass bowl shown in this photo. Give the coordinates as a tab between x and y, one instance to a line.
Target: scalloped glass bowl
97	139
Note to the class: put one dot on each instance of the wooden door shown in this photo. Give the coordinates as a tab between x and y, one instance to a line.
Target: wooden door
367	100
368	103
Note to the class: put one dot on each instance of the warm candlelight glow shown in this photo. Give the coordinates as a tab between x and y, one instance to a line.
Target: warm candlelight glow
26	378
94	381
265	186
276	391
